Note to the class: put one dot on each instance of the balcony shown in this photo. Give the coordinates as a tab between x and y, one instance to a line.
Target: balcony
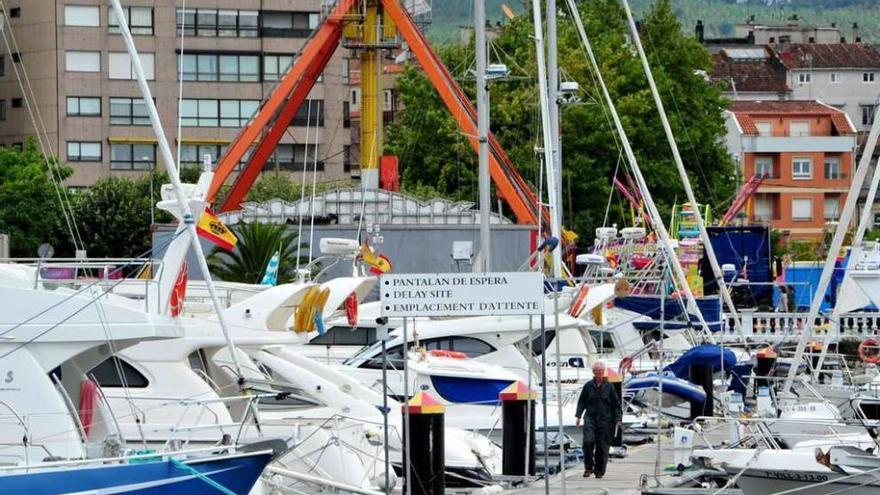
798	144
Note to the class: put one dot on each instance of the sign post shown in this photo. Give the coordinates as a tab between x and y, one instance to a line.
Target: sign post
412	295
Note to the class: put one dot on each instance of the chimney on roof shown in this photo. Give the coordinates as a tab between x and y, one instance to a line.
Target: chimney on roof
700	31
855	29
751	19
834	24
793	20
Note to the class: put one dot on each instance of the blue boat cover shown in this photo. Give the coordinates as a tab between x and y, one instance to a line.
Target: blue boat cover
469	390
739	246
650	306
707	354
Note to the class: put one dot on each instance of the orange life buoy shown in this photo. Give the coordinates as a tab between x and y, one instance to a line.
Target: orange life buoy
449	354
869	350
626	365
351	309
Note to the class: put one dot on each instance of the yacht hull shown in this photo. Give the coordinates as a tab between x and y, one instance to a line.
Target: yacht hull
768	481
237	473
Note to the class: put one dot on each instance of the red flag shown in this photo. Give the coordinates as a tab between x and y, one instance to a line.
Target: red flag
178	293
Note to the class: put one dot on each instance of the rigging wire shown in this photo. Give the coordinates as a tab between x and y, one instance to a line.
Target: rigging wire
302	193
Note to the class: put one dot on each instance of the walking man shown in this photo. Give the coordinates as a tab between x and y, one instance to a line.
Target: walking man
600	408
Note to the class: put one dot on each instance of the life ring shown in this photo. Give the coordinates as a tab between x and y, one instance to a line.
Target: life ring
448	354
869	351
351	309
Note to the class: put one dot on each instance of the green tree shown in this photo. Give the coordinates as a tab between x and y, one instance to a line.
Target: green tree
257	242
115	214
430	146
29	209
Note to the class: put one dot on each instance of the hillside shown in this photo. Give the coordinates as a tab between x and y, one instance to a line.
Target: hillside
719	16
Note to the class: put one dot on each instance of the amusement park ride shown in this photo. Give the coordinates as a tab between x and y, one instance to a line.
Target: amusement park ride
368	26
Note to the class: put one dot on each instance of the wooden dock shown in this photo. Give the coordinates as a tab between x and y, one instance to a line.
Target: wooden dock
623	476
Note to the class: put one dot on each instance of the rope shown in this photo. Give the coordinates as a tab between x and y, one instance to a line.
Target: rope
202	476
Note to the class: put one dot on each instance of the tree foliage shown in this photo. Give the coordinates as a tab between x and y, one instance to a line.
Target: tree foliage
434	155
30	212
257	242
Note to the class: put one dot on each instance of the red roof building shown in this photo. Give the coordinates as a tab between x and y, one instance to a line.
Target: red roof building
804	149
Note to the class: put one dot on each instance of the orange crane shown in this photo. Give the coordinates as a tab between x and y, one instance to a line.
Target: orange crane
268	125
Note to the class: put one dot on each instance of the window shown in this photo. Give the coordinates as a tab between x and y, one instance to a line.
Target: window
832	167
346	114
83	106
274	66
192	155
17	102
764	207
804	77
295	157
132	156
764	166
834	77
2	109
799	128
310	113
128	111
831	207
801	209
217	113
82	61
15	12
289	24
121	66
215	67
139	19
764	128
359	336
82	15
2	66
346	71
868	77
116	372
83	151
16	57
346	158
224	23
802	168
867	114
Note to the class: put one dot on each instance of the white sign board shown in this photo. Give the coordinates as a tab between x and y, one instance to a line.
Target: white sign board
462	294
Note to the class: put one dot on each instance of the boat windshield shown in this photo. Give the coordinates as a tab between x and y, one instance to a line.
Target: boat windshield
366	352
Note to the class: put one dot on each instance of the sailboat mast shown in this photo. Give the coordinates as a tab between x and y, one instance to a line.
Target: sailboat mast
679	164
483	135
553	96
547	135
657	221
171	167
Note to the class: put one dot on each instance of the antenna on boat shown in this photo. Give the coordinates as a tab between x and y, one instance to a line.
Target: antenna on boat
171	166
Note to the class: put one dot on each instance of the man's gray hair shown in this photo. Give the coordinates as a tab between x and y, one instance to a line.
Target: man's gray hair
598	365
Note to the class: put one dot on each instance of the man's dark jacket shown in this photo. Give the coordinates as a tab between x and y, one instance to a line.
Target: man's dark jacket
601	405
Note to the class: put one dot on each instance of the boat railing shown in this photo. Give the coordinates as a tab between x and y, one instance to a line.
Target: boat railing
15	419
822	431
778	326
134	278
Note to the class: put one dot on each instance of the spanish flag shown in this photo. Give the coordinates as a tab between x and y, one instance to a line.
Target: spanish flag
210	227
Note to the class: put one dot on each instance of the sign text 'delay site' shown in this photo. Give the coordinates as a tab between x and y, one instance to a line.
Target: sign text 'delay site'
462	294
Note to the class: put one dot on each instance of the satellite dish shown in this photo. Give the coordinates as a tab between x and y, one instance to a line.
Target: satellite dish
45	250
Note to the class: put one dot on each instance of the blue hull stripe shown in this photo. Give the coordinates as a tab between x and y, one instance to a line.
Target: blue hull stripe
238	474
